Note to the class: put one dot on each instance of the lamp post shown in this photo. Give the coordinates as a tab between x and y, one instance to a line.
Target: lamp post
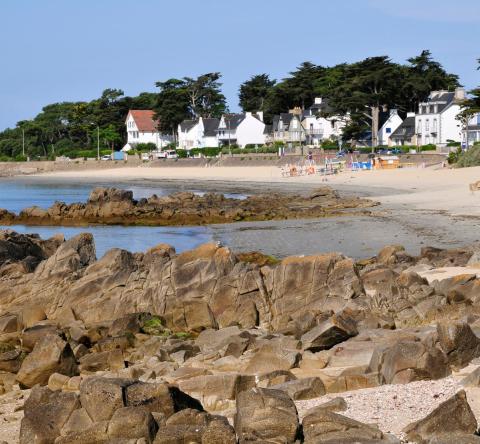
98	142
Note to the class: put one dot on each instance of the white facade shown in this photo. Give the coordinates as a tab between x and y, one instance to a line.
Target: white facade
473	131
139	130
318	128
436	122
197	134
389	127
247	129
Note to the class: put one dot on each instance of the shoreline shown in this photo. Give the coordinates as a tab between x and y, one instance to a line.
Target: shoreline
419	207
421	188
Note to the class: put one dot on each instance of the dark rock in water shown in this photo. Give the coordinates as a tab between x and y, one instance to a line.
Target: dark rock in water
453	416
114	206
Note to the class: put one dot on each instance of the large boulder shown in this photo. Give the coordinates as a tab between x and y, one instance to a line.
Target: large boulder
132	423
194	426
305	388
266	415
51	354
101	397
301	284
74	254
328	333
46	412
323	426
454	416
159	397
407	361
458	342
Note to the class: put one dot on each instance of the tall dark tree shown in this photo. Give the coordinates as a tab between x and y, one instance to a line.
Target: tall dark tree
471	106
172	105
369	85
205	95
420	77
254	91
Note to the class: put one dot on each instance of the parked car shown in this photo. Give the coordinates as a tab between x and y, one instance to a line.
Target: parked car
167	154
106	157
145	157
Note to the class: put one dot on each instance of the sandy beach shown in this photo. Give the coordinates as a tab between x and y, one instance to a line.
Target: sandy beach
418	188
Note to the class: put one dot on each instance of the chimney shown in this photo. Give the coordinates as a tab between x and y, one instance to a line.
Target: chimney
460	94
318	100
393	111
411	114
248	114
296	111
260	115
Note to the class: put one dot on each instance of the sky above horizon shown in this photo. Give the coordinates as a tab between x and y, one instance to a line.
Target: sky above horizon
58	50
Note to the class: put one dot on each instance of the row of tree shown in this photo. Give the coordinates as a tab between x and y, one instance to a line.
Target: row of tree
360	89
69	128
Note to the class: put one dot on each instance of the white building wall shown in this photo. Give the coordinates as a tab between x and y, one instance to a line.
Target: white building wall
250	131
134	136
388	128
209	142
451	128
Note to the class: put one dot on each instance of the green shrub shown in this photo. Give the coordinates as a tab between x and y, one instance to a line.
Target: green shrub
145	147
182	335
468	158
430	147
153	326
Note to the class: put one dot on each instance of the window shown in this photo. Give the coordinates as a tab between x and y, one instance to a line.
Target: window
427	125
294	124
434	129
419	127
388	130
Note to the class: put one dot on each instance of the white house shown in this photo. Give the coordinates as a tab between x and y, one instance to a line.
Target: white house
142	128
241	129
471	133
436	121
198	133
318	127
389	126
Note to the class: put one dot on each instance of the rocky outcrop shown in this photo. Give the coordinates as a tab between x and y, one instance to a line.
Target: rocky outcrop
454	416
21	253
115	206
164	348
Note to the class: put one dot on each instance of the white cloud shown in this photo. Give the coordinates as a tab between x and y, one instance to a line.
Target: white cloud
459	11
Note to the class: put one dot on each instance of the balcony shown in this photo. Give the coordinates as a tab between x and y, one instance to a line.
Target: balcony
292	136
315	132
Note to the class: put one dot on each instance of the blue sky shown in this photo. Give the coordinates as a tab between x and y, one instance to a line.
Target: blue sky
66	50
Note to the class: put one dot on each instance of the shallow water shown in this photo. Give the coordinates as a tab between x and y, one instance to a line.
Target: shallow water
355	236
134	239
18	194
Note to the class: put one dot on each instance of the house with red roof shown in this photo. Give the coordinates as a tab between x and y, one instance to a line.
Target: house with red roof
143	128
